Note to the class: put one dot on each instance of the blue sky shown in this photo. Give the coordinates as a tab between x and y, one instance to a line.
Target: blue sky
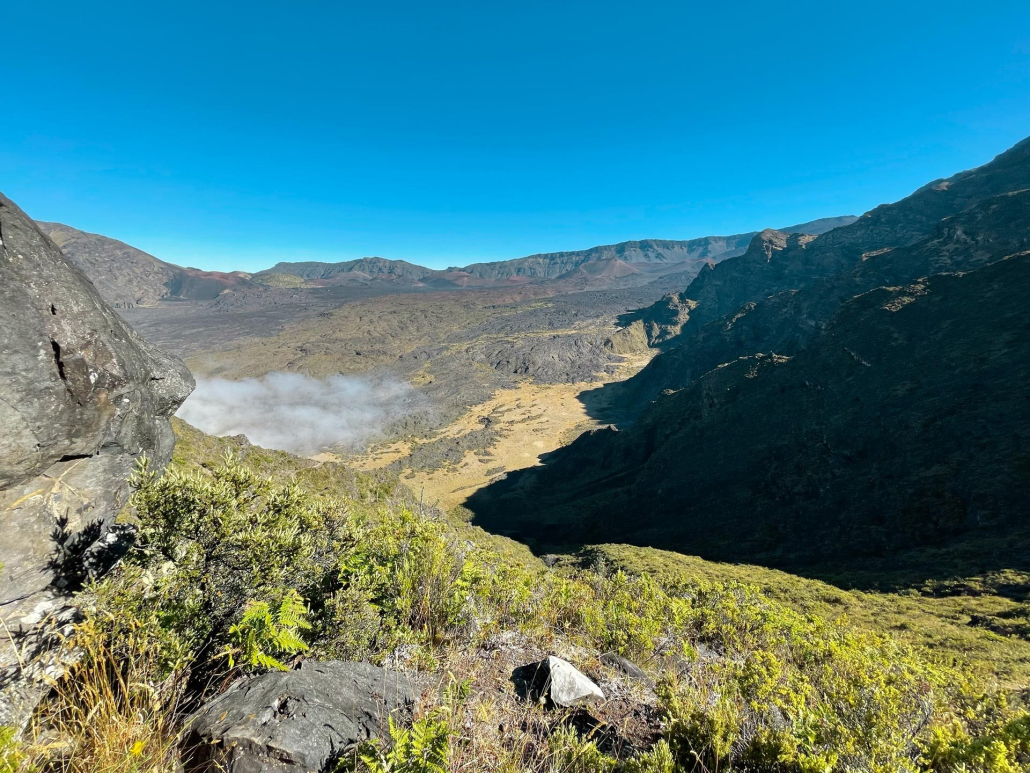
233	135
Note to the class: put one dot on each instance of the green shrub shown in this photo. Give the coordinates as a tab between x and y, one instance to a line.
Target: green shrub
210	546
232	564
658	759
12	756
1001	747
262	634
572	754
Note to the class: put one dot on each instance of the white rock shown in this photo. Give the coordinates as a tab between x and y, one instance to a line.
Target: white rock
569	687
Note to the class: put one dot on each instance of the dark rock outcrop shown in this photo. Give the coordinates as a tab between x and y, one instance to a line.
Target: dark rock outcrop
81	397
299	721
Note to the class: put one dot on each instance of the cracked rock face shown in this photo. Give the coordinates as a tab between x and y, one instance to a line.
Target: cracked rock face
81	397
295	720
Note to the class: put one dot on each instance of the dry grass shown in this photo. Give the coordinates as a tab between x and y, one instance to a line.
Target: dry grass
492	729
532	420
107	714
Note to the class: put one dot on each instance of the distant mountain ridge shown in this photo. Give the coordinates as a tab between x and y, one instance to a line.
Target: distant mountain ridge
401	269
126	276
659	256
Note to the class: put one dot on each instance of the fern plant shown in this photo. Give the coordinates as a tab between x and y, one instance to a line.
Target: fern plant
424	748
262	634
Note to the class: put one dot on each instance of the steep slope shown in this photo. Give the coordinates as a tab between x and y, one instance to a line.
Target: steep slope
784	323
775	261
127	277
820	226
656	255
81	397
662	251
906	422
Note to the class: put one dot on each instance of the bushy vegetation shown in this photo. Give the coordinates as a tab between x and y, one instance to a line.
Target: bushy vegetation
235	571
978	620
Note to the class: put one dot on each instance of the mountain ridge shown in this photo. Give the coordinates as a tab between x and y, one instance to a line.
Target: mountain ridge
127	276
847	384
553	265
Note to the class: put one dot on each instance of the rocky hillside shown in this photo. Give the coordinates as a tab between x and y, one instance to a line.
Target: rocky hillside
81	397
127	277
785	322
904	423
664	252
847	404
774	262
736	308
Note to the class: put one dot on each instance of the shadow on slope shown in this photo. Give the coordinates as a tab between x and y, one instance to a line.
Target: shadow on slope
905	426
701	327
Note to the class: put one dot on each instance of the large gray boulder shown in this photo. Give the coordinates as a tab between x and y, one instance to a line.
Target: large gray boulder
298	721
81	397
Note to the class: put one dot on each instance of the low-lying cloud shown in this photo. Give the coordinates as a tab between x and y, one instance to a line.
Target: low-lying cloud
298	413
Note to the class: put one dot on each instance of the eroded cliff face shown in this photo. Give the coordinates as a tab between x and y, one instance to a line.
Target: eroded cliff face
784	261
81	397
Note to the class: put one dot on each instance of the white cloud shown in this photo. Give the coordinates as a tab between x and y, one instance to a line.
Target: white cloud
294	412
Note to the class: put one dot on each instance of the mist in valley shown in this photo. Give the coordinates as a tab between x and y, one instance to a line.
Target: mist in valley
297	413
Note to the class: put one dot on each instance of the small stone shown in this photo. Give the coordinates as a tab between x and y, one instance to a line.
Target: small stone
627	667
569	687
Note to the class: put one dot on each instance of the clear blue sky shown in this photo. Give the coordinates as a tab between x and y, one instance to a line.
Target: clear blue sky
232	135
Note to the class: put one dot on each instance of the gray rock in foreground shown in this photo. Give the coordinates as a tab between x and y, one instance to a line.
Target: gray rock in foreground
81	397
295	720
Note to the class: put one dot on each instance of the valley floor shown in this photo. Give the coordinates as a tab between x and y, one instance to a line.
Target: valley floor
524	423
